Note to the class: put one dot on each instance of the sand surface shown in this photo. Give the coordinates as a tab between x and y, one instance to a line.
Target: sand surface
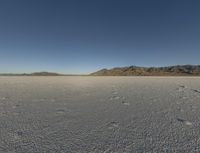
99	114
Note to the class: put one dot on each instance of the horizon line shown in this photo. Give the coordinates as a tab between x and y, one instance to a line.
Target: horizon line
61	73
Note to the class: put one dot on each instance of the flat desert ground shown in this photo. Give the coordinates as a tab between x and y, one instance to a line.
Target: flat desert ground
99	114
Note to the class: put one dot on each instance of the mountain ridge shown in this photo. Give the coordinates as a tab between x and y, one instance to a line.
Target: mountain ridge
43	73
177	70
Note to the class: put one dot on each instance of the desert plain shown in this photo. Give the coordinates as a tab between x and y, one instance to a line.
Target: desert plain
87	114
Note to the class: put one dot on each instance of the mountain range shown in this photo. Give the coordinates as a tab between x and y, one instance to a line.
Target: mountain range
32	74
178	70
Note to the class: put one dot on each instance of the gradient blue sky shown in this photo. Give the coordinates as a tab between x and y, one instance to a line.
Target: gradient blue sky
81	36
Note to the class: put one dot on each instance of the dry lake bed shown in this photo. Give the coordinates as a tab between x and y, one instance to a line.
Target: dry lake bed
99	114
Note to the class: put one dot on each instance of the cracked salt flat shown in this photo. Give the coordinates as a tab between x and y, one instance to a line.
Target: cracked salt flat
99	114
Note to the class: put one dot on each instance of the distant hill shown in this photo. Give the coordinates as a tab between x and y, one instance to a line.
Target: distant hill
178	70
32	74
44	74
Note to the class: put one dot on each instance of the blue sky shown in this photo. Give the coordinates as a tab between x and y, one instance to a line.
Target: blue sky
82	36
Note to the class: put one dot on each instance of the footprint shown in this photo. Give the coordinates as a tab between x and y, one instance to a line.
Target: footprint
181	88
87	94
193	108
113	125
39	100
180	109
184	97
19	133
123	98
125	103
23	133
16	136
52	100
113	86
115	98
3	98
115	93
60	111
184	121
195	90
15	106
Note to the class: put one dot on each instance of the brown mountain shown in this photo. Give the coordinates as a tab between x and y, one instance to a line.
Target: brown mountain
178	70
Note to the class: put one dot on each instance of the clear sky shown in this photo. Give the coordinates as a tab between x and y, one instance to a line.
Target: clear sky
81	36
